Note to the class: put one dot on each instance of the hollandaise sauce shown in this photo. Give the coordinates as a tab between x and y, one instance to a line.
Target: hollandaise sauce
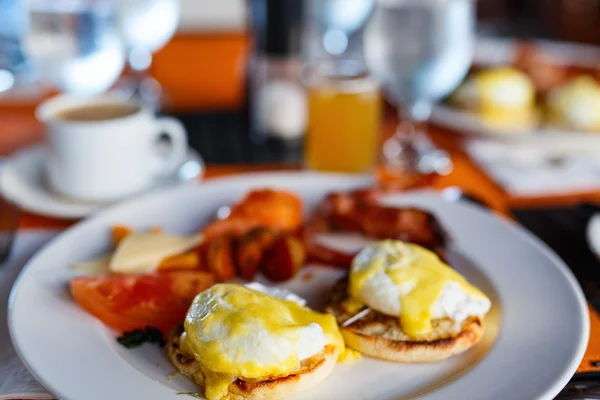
421	274
234	331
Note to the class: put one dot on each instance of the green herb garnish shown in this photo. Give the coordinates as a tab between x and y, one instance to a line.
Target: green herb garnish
196	395
136	338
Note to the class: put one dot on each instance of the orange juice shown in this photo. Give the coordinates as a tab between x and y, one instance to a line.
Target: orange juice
344	118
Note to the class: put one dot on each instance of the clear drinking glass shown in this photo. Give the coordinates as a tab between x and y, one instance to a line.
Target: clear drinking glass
339	21
420	50
147	25
75	44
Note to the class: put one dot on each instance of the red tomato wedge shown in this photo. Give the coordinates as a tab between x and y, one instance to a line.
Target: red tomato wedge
127	302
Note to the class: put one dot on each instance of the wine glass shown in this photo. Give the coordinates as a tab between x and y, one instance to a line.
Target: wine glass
339	20
147	25
420	50
74	44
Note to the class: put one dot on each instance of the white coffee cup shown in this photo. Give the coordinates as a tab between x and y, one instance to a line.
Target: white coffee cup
107	159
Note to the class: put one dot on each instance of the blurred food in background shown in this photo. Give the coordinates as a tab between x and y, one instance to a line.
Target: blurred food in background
501	96
575	104
202	61
542	85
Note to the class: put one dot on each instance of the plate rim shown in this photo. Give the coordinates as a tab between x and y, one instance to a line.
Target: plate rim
523	234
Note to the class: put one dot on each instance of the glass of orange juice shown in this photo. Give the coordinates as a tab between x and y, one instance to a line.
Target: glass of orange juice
344	117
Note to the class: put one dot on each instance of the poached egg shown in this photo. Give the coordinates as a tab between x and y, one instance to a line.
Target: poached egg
235	331
576	104
410	282
500	96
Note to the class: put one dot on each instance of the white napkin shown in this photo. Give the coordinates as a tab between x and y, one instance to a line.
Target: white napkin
15	380
542	165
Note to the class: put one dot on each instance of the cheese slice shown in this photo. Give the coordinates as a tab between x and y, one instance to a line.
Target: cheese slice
141	253
97	267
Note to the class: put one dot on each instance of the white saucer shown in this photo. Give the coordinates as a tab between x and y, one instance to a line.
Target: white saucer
23	182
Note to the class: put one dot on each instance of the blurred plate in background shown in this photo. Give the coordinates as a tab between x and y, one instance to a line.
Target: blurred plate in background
491	52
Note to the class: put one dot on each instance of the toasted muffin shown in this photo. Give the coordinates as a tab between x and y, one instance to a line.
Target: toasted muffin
311	372
381	336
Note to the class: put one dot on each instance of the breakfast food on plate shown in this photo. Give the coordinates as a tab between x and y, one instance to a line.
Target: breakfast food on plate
259	229
540	67
500	96
151	277
254	343
145	252
360	212
142	252
414	307
128	302
251	248
275	209
400	301
576	105
284	259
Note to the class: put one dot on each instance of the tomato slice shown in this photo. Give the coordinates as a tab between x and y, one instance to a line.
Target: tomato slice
127	302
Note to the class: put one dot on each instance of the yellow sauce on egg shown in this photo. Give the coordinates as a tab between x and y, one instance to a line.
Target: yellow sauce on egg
349	356
228	314
412	266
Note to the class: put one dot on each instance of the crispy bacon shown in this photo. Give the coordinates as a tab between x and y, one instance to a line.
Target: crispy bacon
359	212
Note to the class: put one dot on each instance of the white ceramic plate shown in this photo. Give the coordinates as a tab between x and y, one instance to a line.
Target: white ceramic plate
23	182
536	334
493	52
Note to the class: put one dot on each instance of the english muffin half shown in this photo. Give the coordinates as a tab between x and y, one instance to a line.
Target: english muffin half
311	372
381	336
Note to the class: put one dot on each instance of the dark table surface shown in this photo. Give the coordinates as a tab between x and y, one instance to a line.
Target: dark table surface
222	137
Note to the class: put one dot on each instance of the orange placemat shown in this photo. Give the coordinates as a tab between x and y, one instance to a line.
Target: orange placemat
591	359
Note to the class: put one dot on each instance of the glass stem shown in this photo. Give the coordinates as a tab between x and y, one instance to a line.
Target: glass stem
413	150
139	60
406	127
414	117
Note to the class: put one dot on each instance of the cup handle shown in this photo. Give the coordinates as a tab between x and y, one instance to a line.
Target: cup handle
175	130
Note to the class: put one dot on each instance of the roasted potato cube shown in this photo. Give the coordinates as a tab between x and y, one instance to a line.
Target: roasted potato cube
251	249
284	259
119	232
189	260
277	209
219	258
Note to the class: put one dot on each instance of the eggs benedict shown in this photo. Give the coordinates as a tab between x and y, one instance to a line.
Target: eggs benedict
239	342
414	307
502	97
575	105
